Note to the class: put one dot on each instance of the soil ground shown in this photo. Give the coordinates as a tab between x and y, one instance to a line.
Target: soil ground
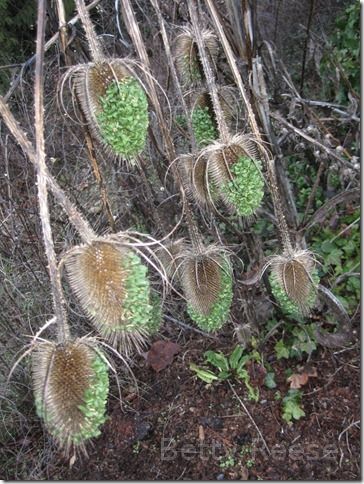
180	428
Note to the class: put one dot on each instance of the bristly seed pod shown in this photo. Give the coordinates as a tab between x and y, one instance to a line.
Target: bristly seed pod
206	279
112	285
187	58
115	106
71	385
236	171
195	179
294	281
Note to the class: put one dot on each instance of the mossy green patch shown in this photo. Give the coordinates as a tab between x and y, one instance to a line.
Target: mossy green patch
203	125
221	309
245	191
123	120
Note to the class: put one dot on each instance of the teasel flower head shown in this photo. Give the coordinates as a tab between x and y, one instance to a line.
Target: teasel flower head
207	282
197	183
235	169
294	281
71	385
187	58
114	104
112	285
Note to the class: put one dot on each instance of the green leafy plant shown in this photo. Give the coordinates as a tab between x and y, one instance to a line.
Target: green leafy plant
344	51
227	462
291	406
123	119
340	252
246	189
232	366
300	340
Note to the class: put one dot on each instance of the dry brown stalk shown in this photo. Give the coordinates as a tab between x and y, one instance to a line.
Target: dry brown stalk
57	292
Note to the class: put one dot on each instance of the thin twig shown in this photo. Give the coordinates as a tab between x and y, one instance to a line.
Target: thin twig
301	133
48	44
250	417
77	220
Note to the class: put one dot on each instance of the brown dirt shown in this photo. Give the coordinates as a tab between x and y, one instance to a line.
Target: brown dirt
180	428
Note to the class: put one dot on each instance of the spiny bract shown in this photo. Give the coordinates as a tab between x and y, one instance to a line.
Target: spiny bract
295	274
123	119
71	387
245	190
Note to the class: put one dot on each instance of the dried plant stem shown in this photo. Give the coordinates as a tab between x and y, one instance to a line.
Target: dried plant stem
172	67
88	138
210	78
80	224
134	32
57	292
269	162
93	41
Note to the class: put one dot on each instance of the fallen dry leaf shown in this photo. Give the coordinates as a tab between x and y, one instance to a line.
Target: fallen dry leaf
161	354
297	380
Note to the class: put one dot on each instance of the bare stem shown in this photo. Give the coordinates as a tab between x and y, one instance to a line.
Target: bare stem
135	34
269	163
93	41
210	78
57	292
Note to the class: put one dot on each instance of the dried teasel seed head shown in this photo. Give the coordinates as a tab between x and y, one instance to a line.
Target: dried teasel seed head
195	179
206	279
70	383
187	58
294	281
236	171
115	106
112	285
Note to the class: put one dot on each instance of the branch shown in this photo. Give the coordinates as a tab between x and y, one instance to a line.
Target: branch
57	292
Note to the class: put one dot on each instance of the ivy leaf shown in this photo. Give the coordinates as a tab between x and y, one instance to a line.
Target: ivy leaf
282	351
269	380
